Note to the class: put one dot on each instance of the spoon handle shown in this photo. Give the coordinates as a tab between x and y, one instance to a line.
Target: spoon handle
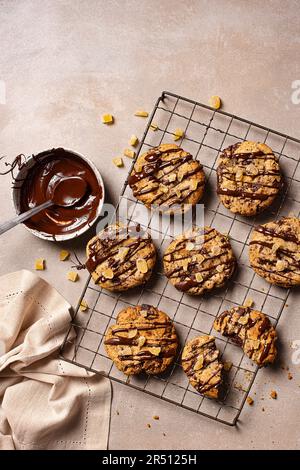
24	216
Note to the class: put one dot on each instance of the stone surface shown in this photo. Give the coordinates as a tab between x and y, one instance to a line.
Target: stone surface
63	64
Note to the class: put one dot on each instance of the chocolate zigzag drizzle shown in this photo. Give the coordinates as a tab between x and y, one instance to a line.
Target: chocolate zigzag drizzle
201	376
237	322
106	247
150	323
274	233
157	163
255	189
186	279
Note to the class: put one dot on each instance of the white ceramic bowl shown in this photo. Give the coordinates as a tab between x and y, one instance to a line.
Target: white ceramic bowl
16	196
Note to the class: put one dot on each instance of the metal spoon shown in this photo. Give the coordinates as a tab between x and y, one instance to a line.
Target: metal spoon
64	192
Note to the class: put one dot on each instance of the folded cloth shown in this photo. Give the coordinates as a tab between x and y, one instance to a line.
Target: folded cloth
45	402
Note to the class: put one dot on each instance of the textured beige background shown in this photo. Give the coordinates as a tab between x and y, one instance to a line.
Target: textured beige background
66	62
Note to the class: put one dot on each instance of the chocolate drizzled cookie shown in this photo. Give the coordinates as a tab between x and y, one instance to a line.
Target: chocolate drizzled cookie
121	257
248	177
168	177
275	251
143	339
201	363
199	261
250	329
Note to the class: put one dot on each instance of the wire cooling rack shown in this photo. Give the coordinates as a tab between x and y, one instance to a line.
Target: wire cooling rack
206	133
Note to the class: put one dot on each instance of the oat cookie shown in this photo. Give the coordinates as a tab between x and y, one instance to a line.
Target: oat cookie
275	251
250	329
201	363
199	261
143	339
248	177
121	257
168	177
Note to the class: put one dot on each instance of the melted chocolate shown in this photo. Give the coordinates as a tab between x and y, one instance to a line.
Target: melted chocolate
287	236
58	220
243	194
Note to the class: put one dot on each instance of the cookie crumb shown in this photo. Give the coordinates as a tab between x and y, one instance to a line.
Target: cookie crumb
129	153
118	161
227	365
290	376
64	255
133	140
39	264
248	302
107	119
83	305
148	425
153	127
156	417
250	401
178	134
215	102
262	409
141	113
273	394
117	412
72	276
164	434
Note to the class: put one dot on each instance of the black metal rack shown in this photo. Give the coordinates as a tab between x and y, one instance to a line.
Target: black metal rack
206	133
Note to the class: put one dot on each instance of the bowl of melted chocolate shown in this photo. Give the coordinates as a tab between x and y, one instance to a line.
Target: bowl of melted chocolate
31	188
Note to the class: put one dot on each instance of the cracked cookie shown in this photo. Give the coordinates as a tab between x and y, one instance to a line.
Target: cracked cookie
248	178
200	361
250	329
275	251
143	339
167	177
199	261
121	257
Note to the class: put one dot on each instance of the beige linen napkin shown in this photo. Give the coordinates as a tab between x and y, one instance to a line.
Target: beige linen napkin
45	403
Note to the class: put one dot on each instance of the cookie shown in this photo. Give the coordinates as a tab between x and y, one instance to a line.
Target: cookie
250	329
121	257
200	361
275	251
167	177
248	178
143	339
199	261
